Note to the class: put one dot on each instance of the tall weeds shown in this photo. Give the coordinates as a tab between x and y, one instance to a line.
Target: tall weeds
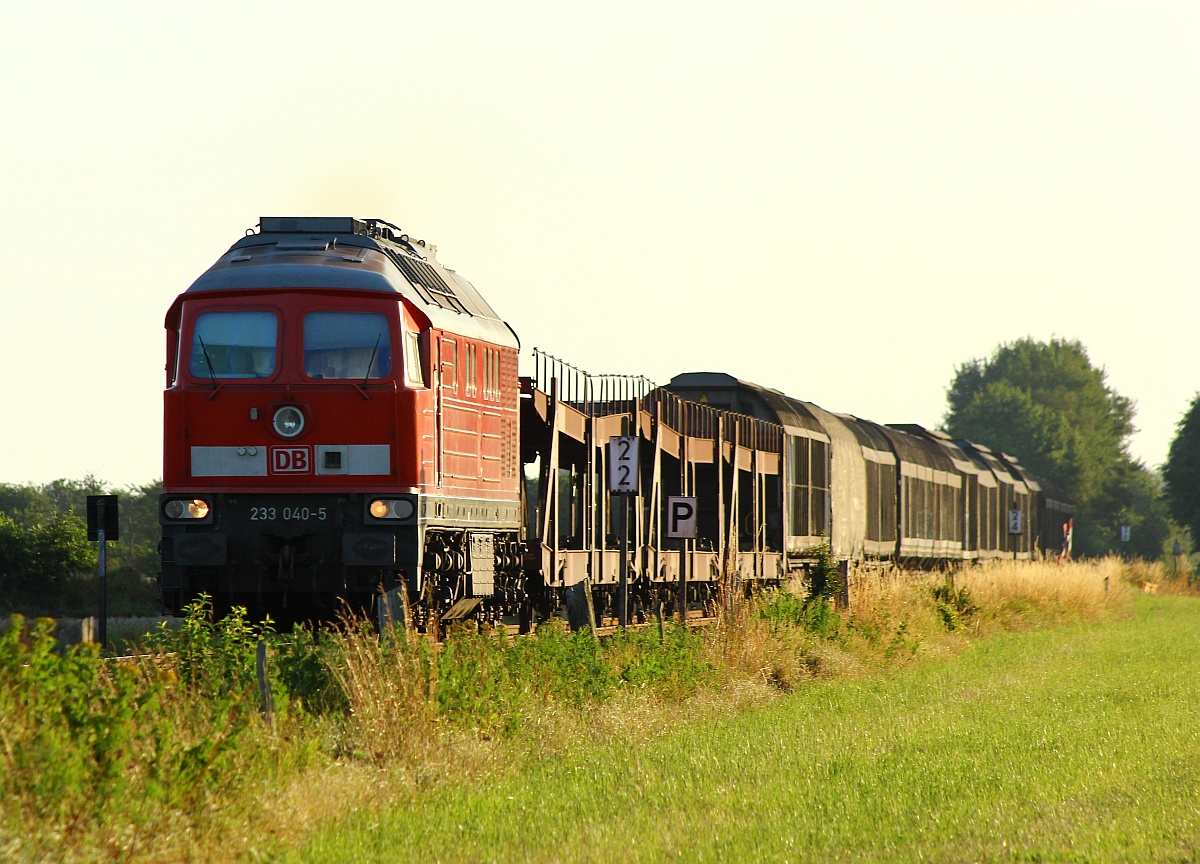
387	683
98	757
786	636
169	756
403	696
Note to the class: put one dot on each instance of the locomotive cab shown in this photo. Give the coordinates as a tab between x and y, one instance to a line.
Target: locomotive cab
321	440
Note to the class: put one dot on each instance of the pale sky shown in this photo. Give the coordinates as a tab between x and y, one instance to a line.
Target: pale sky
842	200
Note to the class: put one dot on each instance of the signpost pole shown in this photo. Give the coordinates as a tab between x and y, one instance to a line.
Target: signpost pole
623	471
103	628
623	601
102	526
683	568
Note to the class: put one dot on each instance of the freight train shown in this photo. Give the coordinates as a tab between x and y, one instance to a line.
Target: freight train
344	423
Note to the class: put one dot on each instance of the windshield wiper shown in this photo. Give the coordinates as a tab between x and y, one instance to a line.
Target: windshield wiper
359	386
207	361
371	362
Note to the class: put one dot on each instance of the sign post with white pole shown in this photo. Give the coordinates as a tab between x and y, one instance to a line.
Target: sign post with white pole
623	476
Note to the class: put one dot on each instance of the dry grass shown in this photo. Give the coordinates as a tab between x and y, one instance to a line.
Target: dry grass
388	684
746	650
894	618
1156	577
1009	594
1074	591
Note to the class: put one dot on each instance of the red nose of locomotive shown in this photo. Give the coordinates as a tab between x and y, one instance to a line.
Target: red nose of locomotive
310	424
290	463
273	391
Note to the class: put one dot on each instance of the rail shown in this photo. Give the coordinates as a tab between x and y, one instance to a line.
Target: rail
601	395
593	395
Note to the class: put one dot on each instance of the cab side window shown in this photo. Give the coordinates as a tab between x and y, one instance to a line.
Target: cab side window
414	371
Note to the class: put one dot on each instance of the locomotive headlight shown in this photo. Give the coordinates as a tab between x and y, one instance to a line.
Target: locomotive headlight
180	508
288	421
392	509
197	508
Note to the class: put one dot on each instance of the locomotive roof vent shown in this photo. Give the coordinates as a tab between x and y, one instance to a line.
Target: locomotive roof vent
311	225
377	228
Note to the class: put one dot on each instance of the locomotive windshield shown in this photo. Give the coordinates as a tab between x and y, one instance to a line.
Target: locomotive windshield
234	345
347	345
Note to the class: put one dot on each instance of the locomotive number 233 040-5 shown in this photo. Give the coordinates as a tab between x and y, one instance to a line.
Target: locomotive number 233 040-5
288	514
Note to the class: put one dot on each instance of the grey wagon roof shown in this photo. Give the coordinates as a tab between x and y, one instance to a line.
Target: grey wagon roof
745	397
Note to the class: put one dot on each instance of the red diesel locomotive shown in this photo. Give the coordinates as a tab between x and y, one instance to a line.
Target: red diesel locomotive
340	417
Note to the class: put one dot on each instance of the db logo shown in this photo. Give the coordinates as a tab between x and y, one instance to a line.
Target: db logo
291	460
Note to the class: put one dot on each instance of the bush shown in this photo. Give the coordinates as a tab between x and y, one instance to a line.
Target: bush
37	563
486	681
303	669
824	580
953	605
96	749
815	613
47	565
674	663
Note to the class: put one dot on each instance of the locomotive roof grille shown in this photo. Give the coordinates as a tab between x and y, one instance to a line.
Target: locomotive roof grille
426	280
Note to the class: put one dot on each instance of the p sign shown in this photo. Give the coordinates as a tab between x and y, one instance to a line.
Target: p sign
623	465
681	518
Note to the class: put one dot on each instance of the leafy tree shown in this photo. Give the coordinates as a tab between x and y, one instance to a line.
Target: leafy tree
1134	497
1182	471
33	580
140	530
1045	403
69	495
38	564
26	505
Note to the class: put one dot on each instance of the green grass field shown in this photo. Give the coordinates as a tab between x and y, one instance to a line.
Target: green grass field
1078	743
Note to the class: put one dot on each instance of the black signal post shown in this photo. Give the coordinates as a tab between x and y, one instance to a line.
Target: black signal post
103	525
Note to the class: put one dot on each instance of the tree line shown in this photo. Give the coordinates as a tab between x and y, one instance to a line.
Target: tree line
1045	403
47	565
